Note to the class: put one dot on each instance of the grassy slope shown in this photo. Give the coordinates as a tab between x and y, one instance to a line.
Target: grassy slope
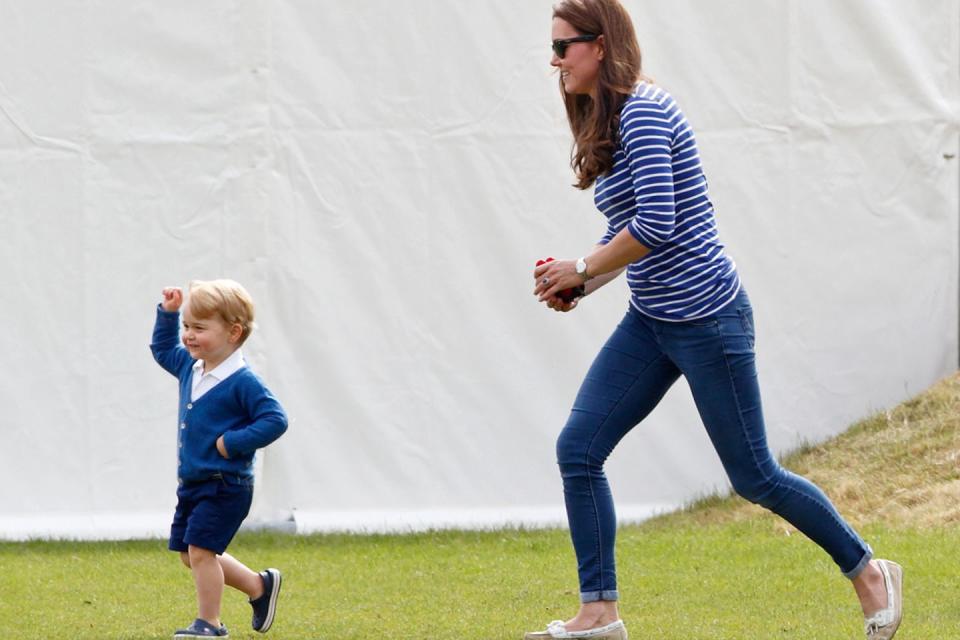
897	468
719	570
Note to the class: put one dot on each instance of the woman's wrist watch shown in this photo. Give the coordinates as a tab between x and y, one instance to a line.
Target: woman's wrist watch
581	267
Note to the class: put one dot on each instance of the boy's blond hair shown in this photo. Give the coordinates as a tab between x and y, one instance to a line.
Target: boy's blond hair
226	299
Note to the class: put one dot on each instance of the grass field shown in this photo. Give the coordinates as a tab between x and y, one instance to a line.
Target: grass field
718	570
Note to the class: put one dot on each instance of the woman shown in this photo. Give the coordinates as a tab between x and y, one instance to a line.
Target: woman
689	315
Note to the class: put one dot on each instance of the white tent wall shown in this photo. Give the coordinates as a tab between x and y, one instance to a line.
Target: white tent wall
382	176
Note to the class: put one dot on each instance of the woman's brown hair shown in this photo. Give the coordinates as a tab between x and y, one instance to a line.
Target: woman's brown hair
594	123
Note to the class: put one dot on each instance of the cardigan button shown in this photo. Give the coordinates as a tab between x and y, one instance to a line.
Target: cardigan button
189	405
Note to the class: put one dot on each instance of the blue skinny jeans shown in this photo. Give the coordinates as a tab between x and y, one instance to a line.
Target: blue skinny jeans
632	372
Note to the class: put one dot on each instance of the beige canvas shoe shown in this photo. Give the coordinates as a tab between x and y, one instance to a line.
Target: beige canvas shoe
556	630
884	623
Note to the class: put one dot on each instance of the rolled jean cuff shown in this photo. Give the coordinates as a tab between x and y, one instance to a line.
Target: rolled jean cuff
853	573
593	596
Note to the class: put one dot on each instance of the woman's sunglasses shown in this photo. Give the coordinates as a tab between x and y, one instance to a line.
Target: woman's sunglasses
560	46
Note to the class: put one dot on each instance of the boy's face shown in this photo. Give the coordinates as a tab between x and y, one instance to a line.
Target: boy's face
209	339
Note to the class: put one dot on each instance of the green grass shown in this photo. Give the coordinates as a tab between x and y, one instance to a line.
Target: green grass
739	580
718	570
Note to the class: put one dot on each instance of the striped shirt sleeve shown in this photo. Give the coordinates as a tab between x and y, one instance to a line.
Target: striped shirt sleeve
646	134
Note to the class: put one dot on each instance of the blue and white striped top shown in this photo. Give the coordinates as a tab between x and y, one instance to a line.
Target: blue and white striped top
657	189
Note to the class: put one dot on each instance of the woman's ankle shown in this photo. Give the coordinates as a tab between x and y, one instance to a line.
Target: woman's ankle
871	589
594	614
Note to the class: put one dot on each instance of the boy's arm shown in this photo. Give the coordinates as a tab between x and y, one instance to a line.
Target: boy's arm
165	344
268	422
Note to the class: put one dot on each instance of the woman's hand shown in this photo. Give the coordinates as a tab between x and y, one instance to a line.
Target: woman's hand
222	448
172	299
553	277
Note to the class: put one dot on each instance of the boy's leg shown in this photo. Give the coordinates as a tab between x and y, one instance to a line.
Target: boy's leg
240	577
262	589
220	509
235	574
208	577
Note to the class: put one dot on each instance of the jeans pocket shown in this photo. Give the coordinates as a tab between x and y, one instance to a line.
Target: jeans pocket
736	332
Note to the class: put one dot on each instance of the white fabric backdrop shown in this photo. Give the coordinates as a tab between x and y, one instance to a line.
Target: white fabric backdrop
382	177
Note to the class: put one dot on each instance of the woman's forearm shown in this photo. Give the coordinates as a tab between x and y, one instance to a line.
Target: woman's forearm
614	256
595	283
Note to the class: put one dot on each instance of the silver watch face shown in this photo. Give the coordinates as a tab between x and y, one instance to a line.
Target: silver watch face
581	266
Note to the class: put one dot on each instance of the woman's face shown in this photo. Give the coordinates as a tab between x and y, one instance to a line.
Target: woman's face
580	66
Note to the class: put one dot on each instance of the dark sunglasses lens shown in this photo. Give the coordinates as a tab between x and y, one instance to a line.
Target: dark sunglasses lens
560	48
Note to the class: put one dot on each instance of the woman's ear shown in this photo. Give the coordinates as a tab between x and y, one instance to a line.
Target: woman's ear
601	50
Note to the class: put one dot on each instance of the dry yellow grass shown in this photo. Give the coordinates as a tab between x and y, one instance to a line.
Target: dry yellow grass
899	468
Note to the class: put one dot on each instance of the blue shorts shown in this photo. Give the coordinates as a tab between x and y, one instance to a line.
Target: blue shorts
209	513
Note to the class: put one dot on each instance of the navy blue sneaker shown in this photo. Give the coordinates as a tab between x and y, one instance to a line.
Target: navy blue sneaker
265	607
200	629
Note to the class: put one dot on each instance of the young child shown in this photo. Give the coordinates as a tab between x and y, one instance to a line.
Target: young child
226	414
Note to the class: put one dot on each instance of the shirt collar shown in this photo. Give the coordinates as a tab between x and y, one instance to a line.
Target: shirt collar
231	365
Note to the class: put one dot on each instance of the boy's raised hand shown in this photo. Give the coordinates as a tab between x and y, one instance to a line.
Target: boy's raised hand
172	298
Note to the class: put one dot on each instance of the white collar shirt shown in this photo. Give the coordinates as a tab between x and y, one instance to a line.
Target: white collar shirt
202	382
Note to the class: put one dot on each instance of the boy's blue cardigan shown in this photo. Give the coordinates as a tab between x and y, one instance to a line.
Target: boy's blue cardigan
240	408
